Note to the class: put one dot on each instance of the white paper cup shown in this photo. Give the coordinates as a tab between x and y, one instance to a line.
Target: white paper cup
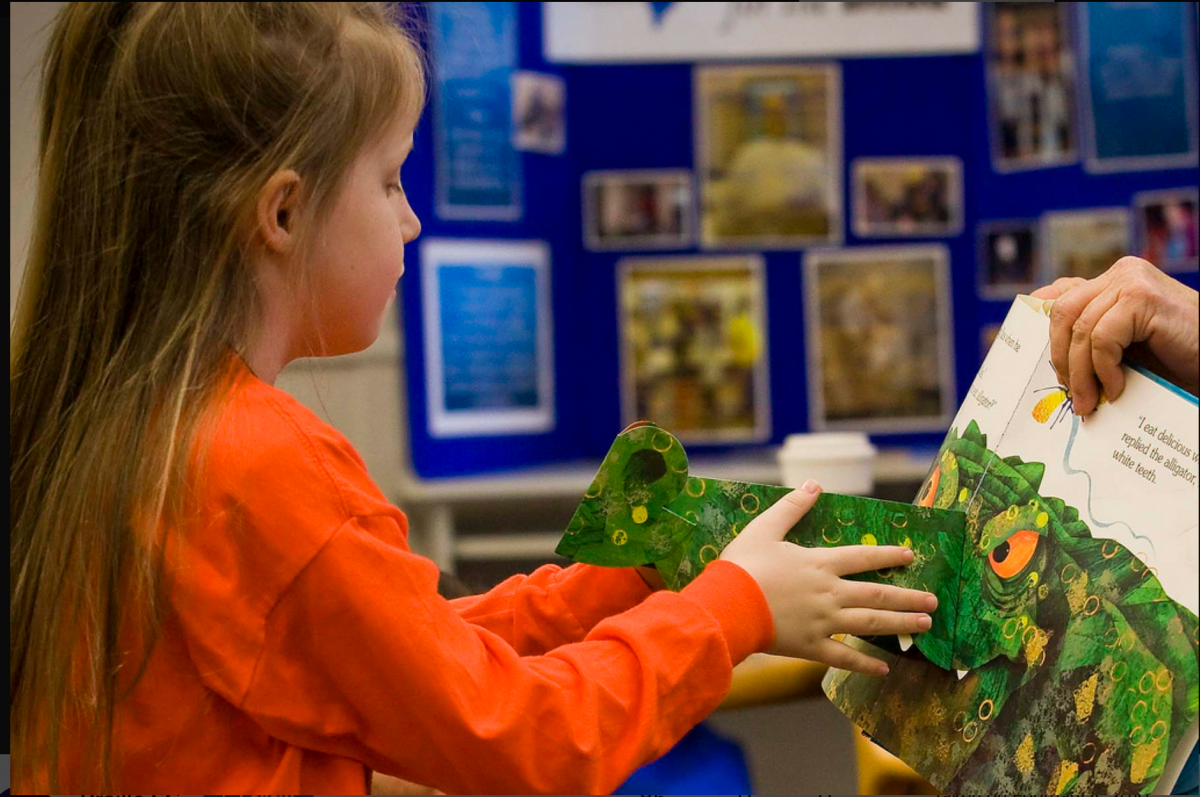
841	462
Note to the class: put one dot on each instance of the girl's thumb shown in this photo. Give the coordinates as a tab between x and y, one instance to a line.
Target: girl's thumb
778	519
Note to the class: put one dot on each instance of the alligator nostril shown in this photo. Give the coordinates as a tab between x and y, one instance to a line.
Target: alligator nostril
646	466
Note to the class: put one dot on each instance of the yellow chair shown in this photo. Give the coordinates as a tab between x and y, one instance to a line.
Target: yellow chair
763	679
880	772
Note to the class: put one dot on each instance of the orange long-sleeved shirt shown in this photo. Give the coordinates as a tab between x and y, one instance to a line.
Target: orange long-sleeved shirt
305	645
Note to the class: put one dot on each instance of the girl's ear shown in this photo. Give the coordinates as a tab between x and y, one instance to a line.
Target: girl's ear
276	211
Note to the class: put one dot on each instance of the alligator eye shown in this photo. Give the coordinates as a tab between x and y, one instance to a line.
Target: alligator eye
929	491
1010	557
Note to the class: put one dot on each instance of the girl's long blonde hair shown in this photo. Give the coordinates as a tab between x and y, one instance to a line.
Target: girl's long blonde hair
160	124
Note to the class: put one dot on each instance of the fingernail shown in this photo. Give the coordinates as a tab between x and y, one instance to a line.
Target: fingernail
924	622
883	669
931	602
908	554
811	487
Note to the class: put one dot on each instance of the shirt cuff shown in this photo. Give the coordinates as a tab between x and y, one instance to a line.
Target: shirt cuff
736	602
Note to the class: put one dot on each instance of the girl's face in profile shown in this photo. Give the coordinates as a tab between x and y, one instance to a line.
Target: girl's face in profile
359	250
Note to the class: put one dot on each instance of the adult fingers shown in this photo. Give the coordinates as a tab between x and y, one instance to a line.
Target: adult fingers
1057	288
1063	314
779	518
885	596
844	657
1112	334
1082	372
872	622
847	559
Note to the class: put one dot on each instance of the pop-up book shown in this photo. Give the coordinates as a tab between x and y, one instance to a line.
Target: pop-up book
1076	620
1063	653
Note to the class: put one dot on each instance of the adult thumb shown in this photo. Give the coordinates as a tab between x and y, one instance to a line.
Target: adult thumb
779	518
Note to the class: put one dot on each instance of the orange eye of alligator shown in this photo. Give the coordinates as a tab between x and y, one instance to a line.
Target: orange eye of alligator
1010	557
929	491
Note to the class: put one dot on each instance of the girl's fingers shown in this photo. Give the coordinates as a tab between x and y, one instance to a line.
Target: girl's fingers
778	519
864	595
875	622
847	559
844	657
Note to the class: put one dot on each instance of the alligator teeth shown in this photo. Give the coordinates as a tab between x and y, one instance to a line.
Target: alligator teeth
905	641
962	674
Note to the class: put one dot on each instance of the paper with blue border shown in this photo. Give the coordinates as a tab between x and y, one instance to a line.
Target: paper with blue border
474	54
1138	70
489	349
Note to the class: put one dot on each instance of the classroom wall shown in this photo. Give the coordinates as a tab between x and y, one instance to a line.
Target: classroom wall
640	116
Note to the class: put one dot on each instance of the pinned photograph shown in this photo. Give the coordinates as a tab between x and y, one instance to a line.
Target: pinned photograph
1166	228
1008	258
1031	86
637	209
878	334
539	121
897	197
694	346
1084	243
768	155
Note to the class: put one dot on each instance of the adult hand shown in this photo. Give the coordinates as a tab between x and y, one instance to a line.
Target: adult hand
809	599
1133	310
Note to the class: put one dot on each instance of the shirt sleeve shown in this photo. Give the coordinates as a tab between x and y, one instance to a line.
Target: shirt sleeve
553	605
361	658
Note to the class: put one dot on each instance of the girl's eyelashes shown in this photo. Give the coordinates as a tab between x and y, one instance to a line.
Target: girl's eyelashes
396	184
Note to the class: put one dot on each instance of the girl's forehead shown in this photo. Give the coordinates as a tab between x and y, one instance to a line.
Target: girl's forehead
396	140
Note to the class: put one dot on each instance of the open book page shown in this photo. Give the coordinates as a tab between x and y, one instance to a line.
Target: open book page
1075	665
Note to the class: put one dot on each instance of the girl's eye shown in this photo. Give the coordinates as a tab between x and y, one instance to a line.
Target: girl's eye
395	185
1010	557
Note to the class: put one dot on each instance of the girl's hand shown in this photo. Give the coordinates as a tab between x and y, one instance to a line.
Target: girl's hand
809	599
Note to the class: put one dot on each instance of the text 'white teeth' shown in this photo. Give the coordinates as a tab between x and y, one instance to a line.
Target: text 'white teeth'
962	674
905	641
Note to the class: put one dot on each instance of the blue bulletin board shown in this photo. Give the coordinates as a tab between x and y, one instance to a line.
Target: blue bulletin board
640	116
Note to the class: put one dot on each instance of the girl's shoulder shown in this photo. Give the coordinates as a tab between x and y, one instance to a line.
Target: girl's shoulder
267	449
274	485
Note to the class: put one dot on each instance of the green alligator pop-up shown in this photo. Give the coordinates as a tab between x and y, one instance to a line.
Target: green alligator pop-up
643	508
1082	671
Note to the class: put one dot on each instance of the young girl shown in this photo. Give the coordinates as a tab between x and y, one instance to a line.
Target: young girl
209	594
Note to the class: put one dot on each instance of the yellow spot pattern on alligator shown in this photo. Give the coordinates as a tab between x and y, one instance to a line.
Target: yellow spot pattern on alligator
1143	757
1077	594
1066	771
1085	698
1024	756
